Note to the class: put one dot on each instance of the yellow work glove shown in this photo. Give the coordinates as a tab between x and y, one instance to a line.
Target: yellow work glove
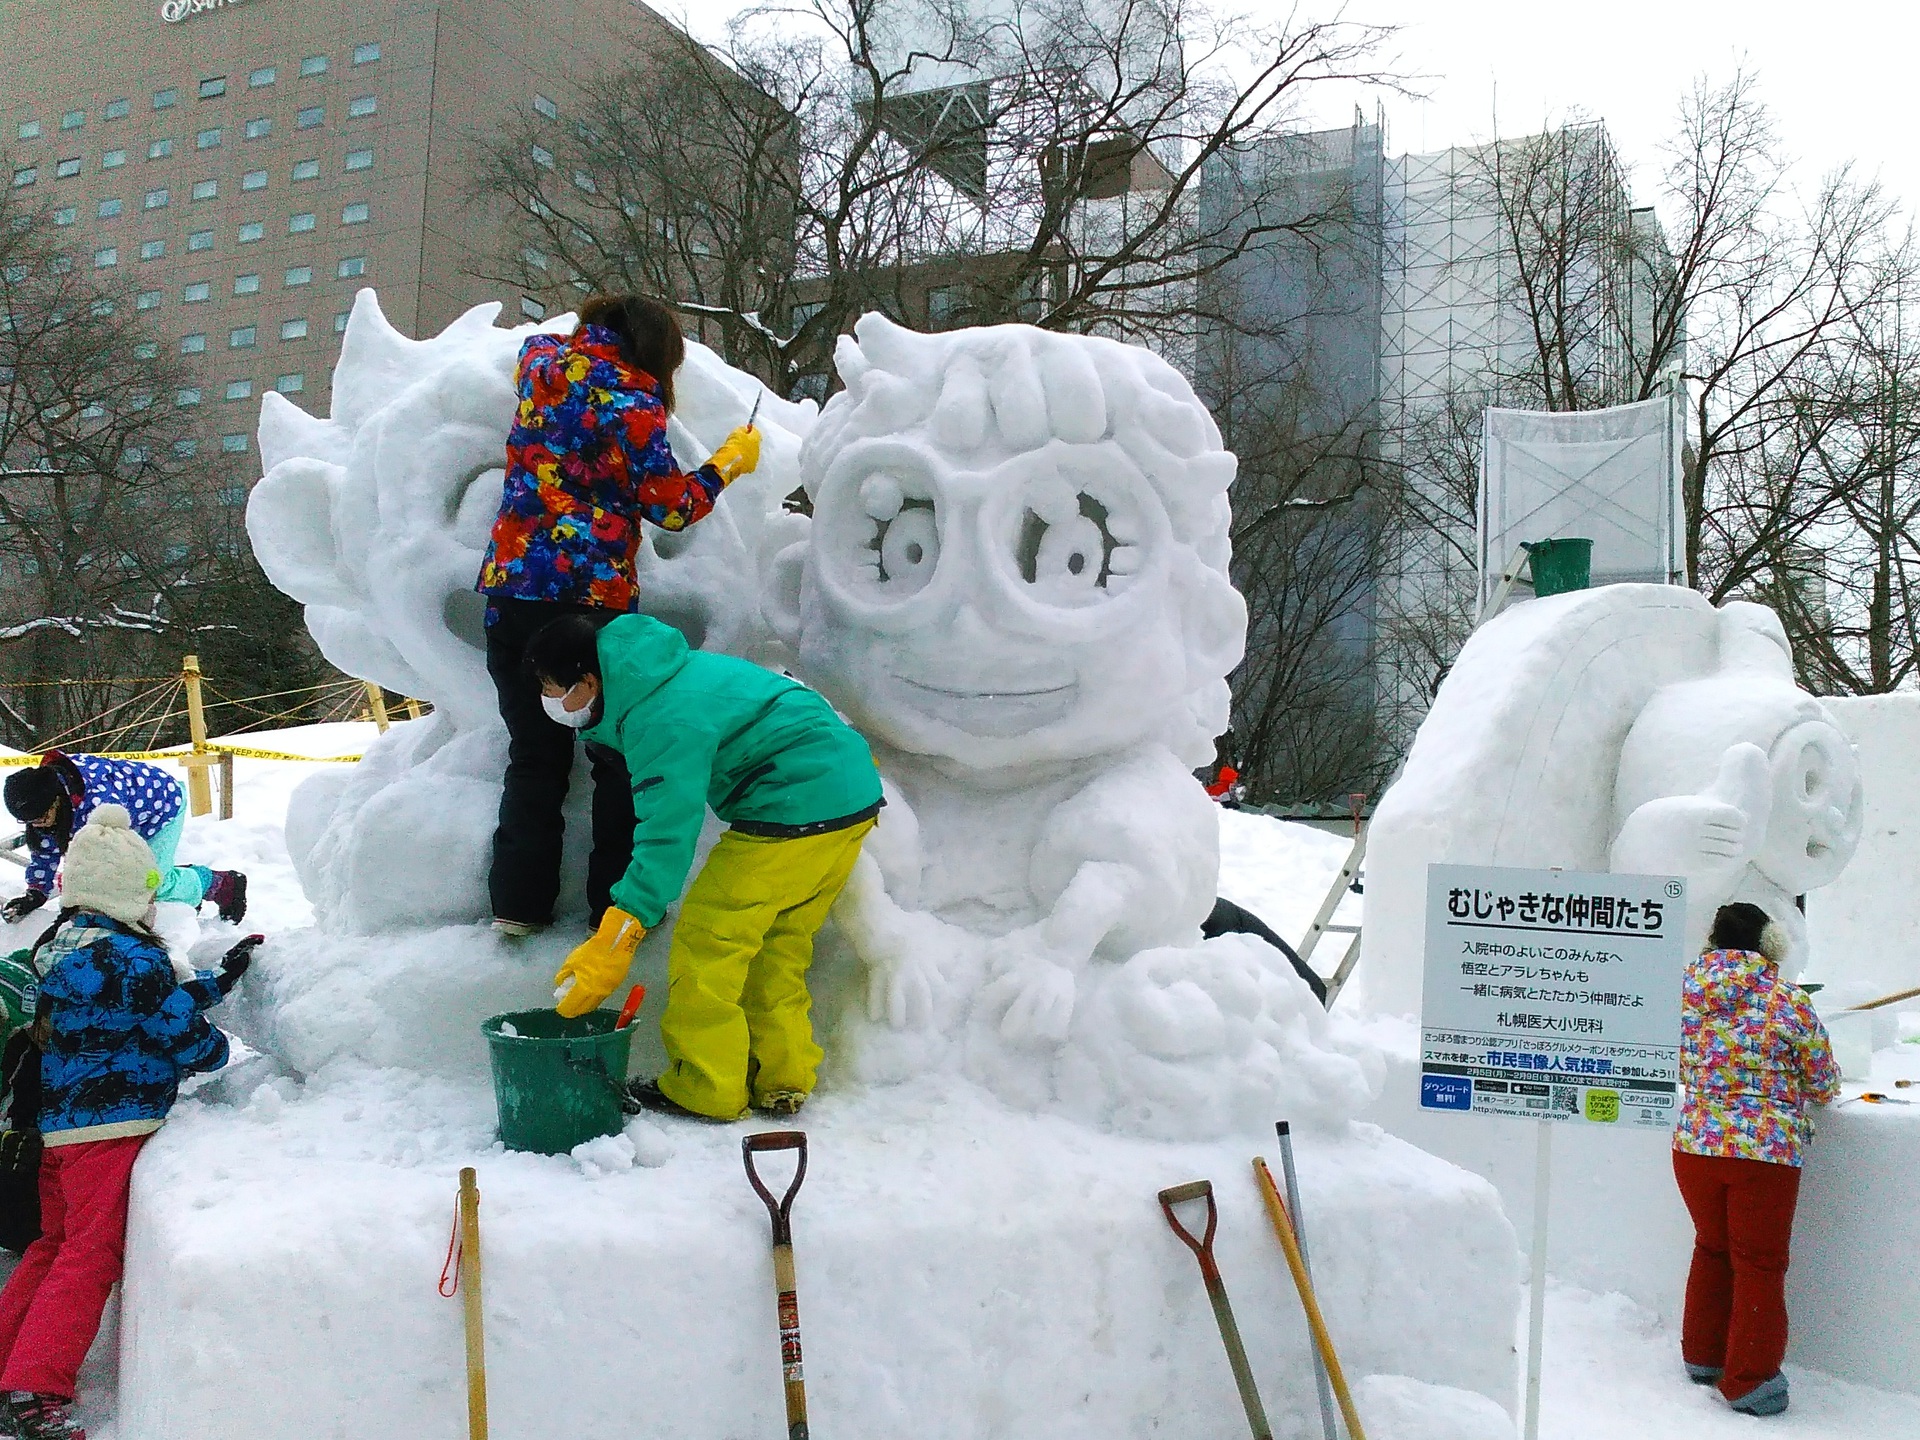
738	454
594	970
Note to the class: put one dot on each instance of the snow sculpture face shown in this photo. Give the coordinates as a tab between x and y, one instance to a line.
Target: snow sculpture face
1018	551
1817	807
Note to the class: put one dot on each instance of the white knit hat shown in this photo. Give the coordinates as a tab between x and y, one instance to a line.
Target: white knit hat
109	868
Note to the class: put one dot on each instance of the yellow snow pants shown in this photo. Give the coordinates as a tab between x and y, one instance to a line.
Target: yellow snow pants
737	969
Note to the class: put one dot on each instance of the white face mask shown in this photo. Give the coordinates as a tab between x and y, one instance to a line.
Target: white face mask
556	706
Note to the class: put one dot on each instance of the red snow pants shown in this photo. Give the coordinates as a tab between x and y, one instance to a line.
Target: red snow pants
1736	1316
51	1307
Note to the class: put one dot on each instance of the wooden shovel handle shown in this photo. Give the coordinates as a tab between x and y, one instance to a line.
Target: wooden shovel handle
1283	1227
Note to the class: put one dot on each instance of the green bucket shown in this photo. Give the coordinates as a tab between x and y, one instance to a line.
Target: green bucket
1558	566
557	1082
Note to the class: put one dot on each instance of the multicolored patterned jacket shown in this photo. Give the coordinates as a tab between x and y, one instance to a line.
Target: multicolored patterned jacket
1753	1056
587	461
151	795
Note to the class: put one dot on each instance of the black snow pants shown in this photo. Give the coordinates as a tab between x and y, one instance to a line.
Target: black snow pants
525	879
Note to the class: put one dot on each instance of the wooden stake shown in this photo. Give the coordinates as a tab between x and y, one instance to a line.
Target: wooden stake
377	705
413	708
470	1285
1893	999
199	789
1283	1227
226	785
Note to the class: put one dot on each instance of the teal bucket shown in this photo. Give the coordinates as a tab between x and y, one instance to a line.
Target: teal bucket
1558	566
557	1082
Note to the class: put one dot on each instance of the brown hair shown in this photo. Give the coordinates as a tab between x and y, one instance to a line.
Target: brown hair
649	336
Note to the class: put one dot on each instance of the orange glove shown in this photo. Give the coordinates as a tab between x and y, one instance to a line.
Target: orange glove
738	454
595	969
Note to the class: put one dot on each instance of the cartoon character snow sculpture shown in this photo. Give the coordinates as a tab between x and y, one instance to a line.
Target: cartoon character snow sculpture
1632	728
376	517
1015	585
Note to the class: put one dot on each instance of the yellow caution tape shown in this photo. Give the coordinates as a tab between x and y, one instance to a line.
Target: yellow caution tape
213	753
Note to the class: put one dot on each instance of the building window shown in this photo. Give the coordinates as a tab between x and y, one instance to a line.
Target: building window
354	215
361	105
254	180
543	106
239	389
311	116
107	209
297	275
584	181
290	384
183	399
186	449
207	139
156	200
196	292
200	240
25	175
265	75
359	160
205	189
246	284
193	344
165	99
147	300
300	224
117	109
73	120
252	230
65	215
242	337
543	157
351	266
106	257
314	65
147	349
536	258
366	54
113	159
153	250
29	129
293	330
233	445
307	170
68	167
532	308
213	87
259	129
340	322
160	149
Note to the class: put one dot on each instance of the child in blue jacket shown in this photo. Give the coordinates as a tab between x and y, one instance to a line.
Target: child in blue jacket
117	1033
54	799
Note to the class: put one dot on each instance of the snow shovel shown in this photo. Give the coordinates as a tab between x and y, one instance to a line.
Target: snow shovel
781	1213
1283	1227
1217	1292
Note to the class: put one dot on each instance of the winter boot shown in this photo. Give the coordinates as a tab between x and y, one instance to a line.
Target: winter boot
781	1104
515	929
42	1417
229	892
1769	1397
647	1095
1704	1374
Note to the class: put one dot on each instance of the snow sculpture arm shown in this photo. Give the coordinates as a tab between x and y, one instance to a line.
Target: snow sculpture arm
1708	838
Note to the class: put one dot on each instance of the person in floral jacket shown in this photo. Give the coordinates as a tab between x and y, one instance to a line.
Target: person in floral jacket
1753	1056
587	462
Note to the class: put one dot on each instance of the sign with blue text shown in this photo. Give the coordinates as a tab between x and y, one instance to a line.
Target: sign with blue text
1553	995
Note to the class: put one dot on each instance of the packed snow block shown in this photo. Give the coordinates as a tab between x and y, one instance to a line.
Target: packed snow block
964	1271
1393	1407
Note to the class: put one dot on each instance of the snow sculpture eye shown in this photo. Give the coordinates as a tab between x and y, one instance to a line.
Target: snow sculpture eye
906	537
1072	546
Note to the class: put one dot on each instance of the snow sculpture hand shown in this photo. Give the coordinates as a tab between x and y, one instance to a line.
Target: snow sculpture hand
1034	1001
1702	836
901	949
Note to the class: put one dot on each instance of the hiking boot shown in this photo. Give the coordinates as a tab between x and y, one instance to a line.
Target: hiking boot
647	1095
780	1104
1769	1397
515	929
1704	1374
229	893
42	1417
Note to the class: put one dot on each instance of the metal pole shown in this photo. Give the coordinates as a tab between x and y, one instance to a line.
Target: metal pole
199	791
1298	1217
1537	1288
470	1284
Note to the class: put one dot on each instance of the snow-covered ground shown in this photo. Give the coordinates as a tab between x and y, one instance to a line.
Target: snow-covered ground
1612	1368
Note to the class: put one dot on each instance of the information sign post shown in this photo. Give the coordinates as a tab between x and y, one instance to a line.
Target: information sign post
1552	996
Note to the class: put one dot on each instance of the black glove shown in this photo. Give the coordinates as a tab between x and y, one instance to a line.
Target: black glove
22	906
19	1150
234	963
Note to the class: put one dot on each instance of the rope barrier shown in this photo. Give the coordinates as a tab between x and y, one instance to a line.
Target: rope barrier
213	752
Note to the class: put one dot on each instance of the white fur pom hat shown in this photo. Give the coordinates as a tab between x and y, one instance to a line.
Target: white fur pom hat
1775	943
109	868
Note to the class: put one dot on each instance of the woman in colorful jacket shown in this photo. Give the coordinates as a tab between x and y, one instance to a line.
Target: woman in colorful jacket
1753	1056
117	1032
587	461
56	798
797	787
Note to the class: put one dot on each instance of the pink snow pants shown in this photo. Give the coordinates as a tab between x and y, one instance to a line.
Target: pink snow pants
51	1307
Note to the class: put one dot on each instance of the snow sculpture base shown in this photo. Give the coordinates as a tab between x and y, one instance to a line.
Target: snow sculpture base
964	1271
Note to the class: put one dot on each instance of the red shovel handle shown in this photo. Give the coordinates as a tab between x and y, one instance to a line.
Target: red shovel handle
632	1007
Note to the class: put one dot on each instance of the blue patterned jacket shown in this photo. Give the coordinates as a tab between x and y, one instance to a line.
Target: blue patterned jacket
151	795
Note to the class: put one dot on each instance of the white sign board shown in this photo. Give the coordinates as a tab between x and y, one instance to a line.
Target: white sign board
1553	995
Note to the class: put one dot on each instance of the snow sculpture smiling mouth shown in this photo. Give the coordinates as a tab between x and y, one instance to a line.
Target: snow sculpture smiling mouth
1000	710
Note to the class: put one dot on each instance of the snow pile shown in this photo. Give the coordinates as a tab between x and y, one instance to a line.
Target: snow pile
1394	1407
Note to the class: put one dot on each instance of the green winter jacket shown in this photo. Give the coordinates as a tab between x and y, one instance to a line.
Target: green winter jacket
700	730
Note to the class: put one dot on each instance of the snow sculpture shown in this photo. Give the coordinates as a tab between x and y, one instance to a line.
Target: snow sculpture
376	518
1015	585
1632	728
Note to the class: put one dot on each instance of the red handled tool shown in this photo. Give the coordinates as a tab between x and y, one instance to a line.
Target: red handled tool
632	1007
1202	1248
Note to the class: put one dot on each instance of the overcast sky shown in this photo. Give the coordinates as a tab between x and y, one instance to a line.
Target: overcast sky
1839	75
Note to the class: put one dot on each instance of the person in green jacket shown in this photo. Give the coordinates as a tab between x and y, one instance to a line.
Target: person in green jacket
798	790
